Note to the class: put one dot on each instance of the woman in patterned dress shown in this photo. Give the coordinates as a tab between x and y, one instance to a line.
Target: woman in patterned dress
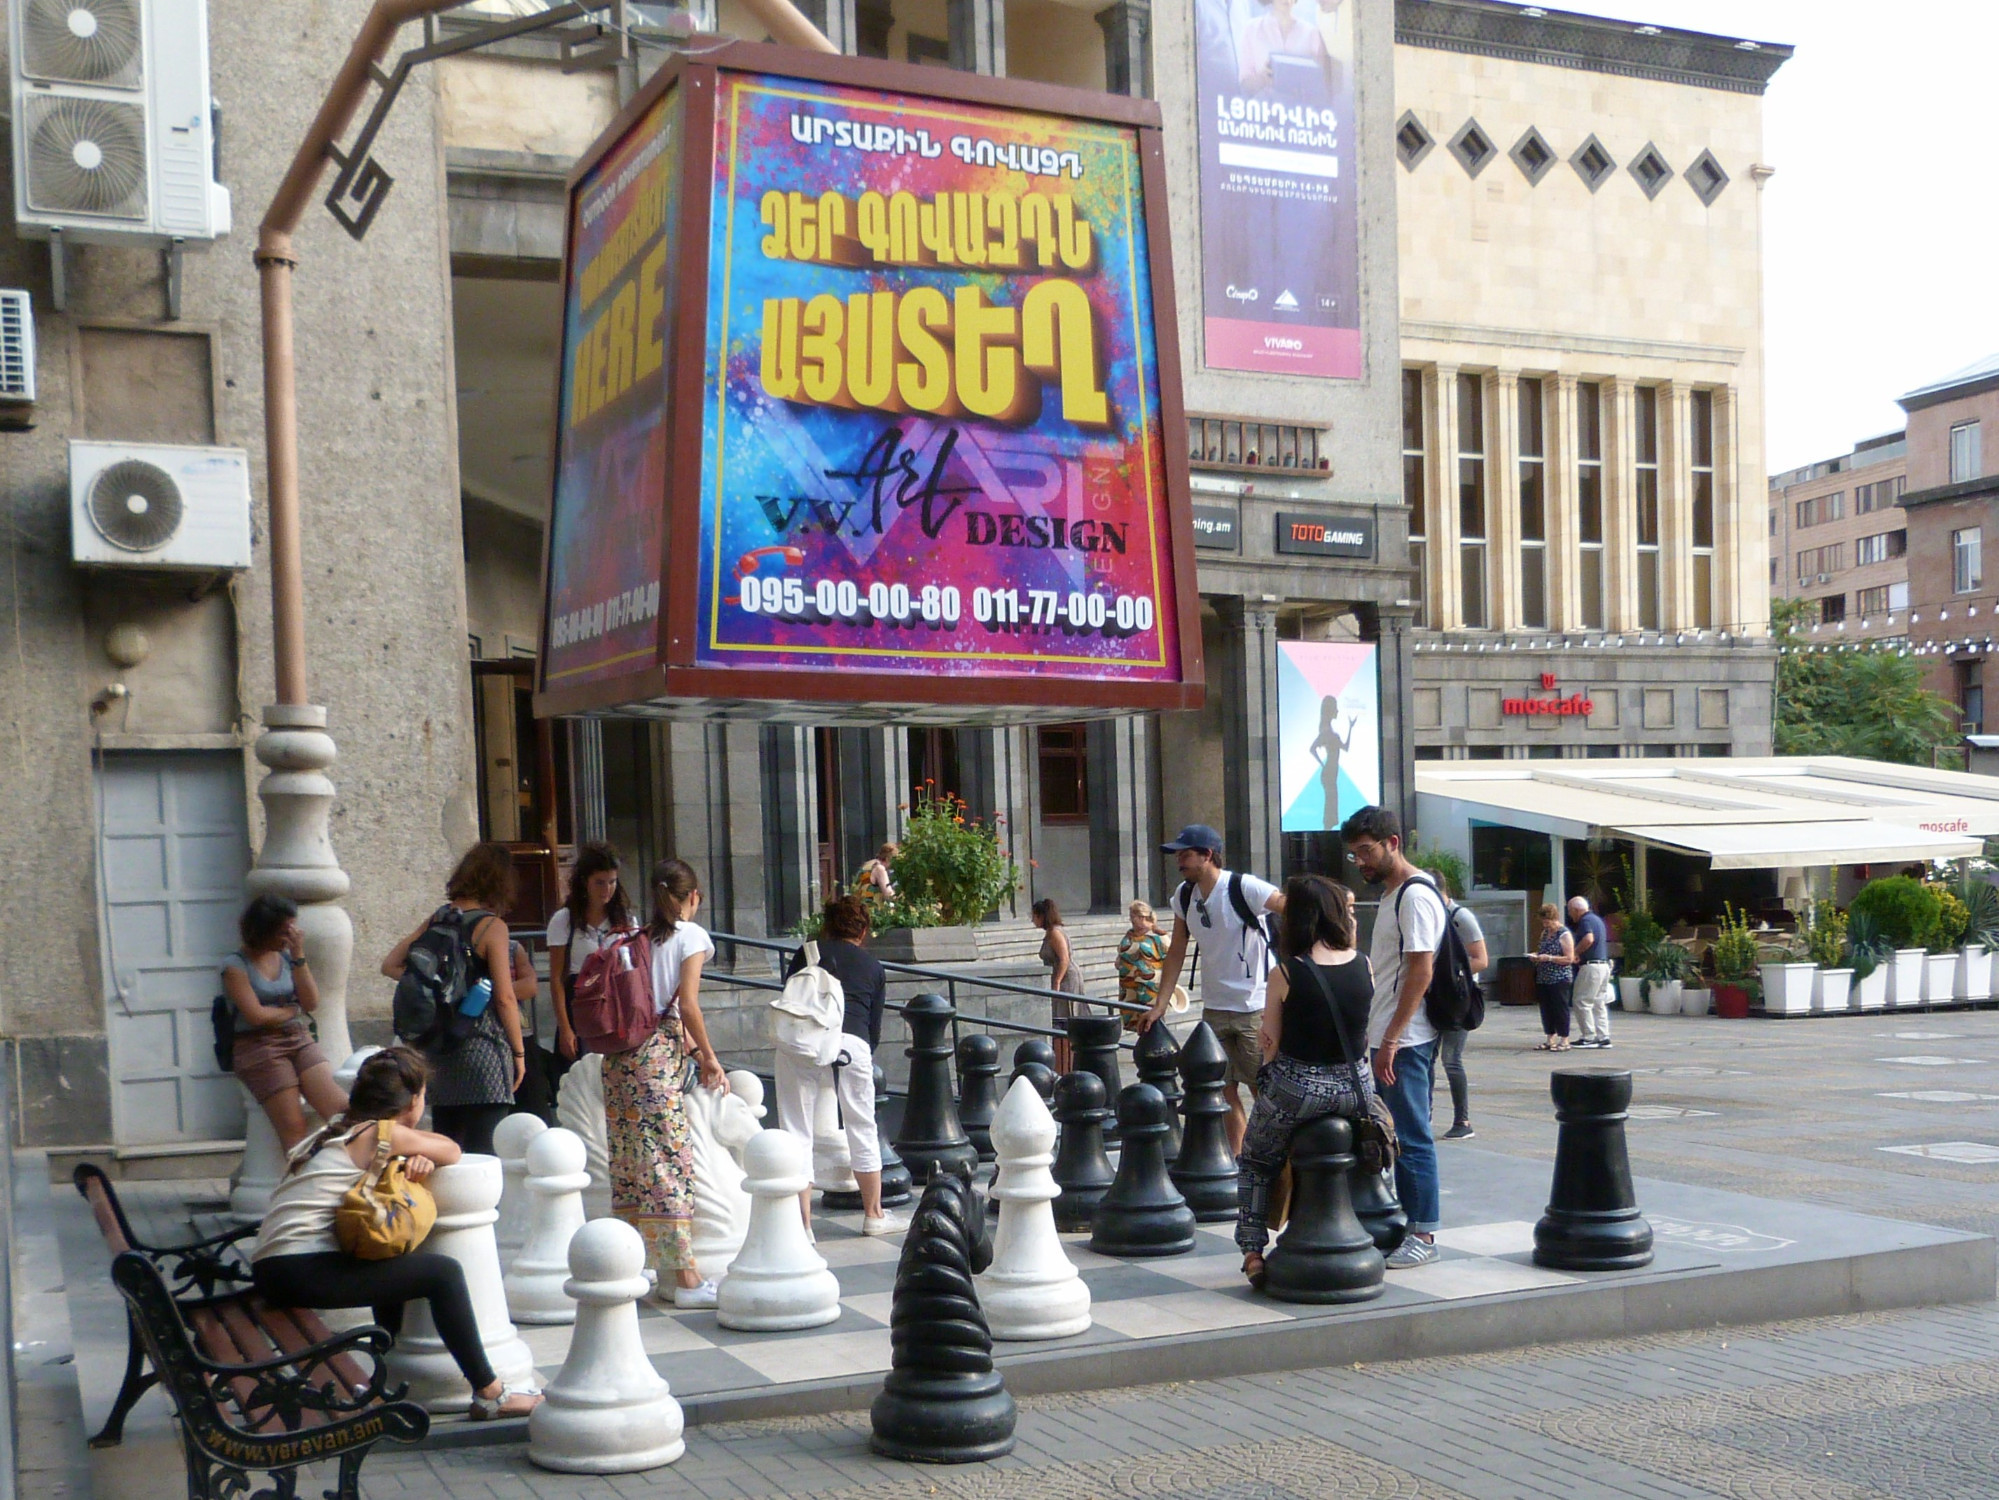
1140	952
652	1153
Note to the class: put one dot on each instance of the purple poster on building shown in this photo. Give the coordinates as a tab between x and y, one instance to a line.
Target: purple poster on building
1279	234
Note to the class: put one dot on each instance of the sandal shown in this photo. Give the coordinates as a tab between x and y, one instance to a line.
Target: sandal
496	1408
1544	1046
1254	1269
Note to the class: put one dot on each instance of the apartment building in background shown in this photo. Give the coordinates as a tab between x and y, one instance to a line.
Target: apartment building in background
1839	540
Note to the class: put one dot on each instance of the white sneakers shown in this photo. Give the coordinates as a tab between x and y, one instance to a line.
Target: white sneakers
696	1298
888	1223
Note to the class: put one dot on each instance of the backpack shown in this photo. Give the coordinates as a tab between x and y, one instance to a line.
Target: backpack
612	1007
807	1018
1454	1001
222	1022
1258	923
437	973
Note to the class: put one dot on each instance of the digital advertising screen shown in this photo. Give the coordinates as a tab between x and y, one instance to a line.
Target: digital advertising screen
1328	731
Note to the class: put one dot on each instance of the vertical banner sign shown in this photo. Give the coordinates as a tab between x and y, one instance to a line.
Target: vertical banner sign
932	440
1280	240
1328	732
611	462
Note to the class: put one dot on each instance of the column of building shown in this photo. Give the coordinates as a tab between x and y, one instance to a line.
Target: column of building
790	799
1254	798
1440	389
1620	504
1124	820
1501	392
1676	515
1564	504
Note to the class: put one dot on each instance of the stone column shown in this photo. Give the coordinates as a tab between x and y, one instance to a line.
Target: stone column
1124	820
978	35
790	816
1502	499
1127	28
715	791
874	783
1446	599
1741	540
1676	520
1398	739
1564	513
872	20
586	778
1249	735
1620	505
999	772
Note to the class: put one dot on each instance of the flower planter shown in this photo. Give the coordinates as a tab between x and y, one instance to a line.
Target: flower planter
1832	990
925	945
1630	994
1871	993
1731	1002
1787	989
1974	972
1696	1002
1665	997
1905	976
1940	978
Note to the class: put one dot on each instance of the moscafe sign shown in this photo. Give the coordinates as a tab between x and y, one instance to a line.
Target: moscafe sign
1575	704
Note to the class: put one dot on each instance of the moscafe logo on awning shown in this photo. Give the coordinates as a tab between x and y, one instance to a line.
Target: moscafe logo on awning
1573	705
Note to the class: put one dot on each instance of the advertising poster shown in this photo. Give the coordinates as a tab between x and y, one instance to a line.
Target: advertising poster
1280	239
611	458
1328	732
932	439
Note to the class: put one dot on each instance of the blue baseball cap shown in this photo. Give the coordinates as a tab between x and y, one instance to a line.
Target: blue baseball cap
1194	836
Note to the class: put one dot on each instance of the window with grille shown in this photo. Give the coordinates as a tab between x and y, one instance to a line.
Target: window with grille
1230	443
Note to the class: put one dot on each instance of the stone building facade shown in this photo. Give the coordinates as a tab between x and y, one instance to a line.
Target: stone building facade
1839	540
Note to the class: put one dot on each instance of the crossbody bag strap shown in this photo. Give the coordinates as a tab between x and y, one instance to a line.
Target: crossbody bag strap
376	1168
1326	995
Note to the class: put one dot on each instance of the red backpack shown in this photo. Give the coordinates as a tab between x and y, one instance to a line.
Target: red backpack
611	1001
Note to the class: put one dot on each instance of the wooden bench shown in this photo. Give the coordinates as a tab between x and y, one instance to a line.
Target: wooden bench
256	1386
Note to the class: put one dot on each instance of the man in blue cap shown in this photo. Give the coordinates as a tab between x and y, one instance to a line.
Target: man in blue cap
1223	911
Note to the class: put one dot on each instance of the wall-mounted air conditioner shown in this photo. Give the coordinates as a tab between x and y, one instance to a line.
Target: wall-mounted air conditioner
113	126
157	505
17	348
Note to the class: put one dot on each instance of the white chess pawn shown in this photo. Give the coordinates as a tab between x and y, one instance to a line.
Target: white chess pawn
555	1183
778	1280
608	1411
749	1088
1031	1291
511	1139
832	1164
468	1197
580	1107
718	1125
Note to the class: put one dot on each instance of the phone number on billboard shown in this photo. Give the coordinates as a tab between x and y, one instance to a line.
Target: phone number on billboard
930	604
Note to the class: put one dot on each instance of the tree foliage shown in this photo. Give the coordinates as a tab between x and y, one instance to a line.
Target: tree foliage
1868	702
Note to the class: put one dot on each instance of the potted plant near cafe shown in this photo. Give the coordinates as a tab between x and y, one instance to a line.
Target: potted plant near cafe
949	872
1666	974
1735	961
1643	937
1825	946
1940	968
1906	913
1870	956
1981	935
1788	977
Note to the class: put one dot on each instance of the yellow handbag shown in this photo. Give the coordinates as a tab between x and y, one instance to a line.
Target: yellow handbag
385	1214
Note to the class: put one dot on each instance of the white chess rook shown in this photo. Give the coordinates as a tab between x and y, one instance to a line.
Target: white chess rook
580	1107
778	1280
608	1411
719	1125
511	1139
1031	1291
468	1196
555	1183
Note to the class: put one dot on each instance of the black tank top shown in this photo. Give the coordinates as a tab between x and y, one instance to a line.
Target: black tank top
1306	1032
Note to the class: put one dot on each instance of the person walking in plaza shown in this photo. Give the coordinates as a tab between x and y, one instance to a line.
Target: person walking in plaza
297	1260
1590	999
1228	908
1408	926
1140	952
1313	1039
594	910
271	987
843	934
1554	977
1451	1039
651	1147
472	1081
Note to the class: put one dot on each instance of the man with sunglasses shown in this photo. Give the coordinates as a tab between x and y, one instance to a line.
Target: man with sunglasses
1215	901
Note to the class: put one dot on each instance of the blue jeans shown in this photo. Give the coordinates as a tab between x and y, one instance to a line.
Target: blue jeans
1408	1099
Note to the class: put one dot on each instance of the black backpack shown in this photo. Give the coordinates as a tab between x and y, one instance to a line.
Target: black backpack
1454	1001
222	1023
436	975
1258	923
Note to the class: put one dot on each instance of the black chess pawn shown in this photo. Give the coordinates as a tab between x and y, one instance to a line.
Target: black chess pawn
1082	1169
931	1135
896	1185
1205	1169
1157	1059
978	1090
1378	1209
1143	1214
1324	1254
1094	1041
1036	1049
1040	1076
1592	1222
942	1402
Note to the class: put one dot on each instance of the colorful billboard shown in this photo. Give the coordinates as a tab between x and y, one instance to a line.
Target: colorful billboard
1328	732
1280	237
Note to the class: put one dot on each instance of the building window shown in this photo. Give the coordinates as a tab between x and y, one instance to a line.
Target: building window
1593	164
1880	547
1822	508
1773	522
1412	141
1702	407
1065	783
1533	509
1832	609
1817	564
1589	502
1883	494
1471	500
1966	566
1533	156
1225	443
1473	148
1971	695
1648	506
1706	177
1651	170
1964	456
1872	601
1413	488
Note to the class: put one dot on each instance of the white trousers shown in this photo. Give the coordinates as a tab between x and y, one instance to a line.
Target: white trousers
800	1083
1590	1000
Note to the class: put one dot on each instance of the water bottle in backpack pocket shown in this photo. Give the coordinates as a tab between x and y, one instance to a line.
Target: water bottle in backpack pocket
437	977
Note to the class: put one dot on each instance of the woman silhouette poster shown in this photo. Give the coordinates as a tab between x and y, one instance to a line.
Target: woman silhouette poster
1328	731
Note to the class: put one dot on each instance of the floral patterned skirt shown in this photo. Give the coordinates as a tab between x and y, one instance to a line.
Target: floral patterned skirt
652	1154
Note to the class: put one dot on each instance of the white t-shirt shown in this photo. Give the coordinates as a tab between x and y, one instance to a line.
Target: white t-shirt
1414	925
667	957
582	941
1234	964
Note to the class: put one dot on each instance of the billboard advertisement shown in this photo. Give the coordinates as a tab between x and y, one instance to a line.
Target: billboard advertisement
1328	732
933	440
1280	237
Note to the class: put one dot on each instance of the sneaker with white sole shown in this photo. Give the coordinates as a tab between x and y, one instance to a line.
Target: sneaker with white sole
1412	1252
696	1298
1461	1131
888	1223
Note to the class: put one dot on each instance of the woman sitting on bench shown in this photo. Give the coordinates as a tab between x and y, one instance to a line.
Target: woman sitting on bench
299	1263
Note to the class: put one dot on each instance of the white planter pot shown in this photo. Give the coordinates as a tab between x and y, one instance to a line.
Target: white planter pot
1871	993
1665	999
1696	1002
1905	976
1832	989
1940	978
1629	994
1787	988
1974	972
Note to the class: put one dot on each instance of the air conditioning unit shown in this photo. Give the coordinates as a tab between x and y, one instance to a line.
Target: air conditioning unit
159	506
17	348
113	127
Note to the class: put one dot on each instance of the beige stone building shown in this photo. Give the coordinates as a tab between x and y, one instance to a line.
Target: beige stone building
1839	538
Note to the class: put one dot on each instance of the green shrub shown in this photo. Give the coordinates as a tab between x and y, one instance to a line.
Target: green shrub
1905	912
1825	935
1735	953
1447	866
1644	934
1981	910
1866	949
949	864
1952	918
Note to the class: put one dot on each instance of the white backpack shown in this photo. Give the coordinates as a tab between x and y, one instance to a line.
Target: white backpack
807	1017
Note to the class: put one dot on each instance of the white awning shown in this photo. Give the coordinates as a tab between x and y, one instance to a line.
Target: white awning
1846	841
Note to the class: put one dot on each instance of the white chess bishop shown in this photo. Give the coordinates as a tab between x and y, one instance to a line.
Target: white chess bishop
719	1124
511	1139
778	1280
555	1183
608	1411
579	1107
1031	1290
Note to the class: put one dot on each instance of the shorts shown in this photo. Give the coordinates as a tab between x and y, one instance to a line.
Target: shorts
1240	1033
269	1062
